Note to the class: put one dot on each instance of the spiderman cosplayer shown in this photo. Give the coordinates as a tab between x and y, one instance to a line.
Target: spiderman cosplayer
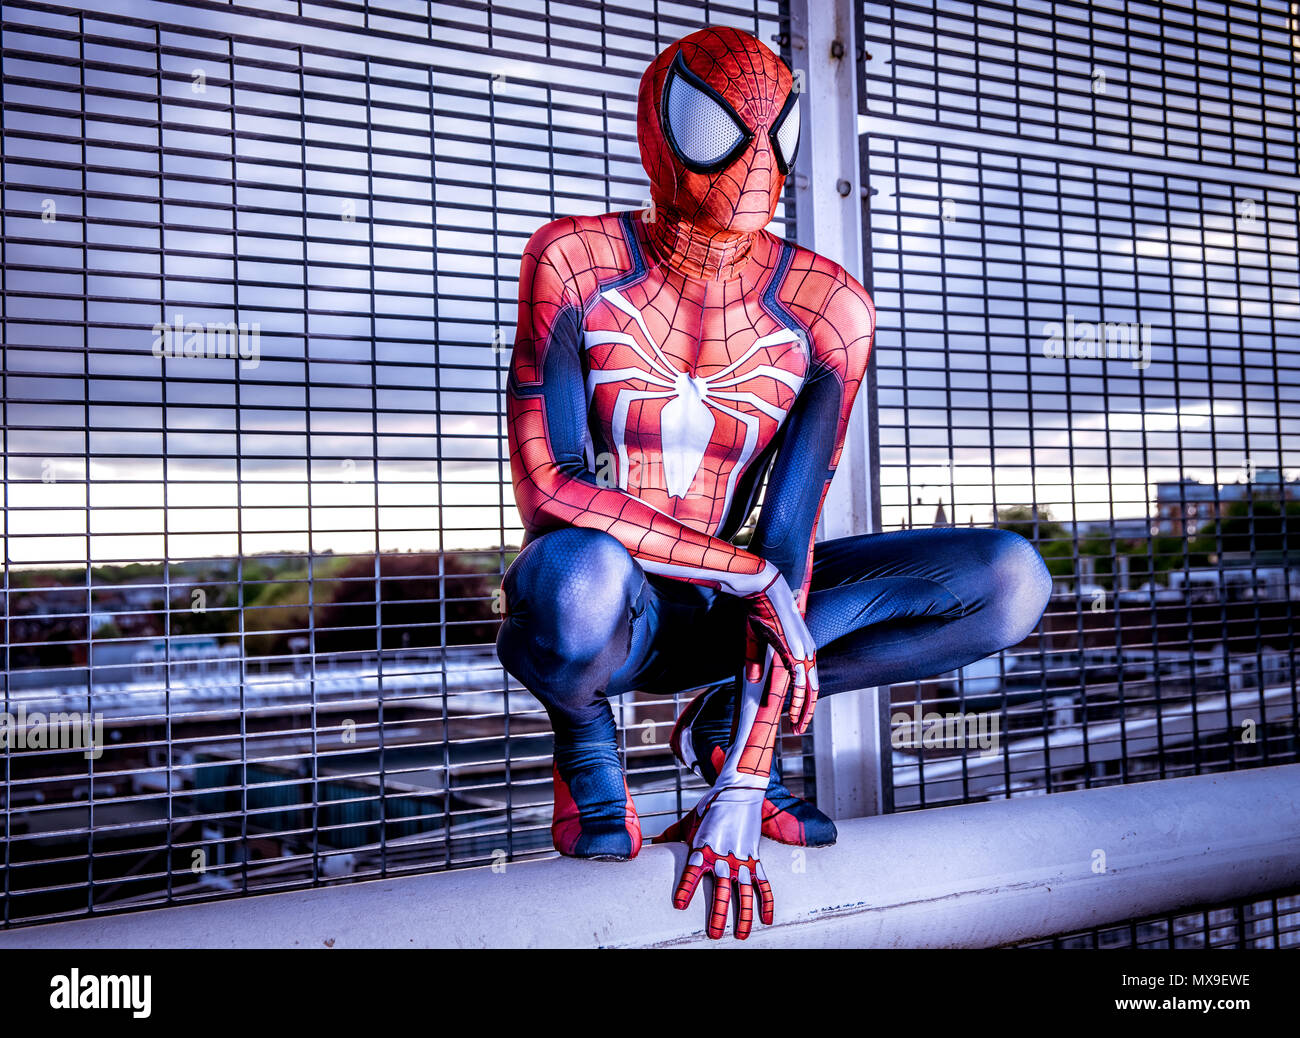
666	361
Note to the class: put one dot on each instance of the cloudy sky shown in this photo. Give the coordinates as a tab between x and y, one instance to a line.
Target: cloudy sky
371	233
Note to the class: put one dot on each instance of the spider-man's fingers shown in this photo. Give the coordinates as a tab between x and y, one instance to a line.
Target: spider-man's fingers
770	636
755	655
765	902
802	718
675	833
721	899
801	706
745	917
773	701
681	830
798	694
689	881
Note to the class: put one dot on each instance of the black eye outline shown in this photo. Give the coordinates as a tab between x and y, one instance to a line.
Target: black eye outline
679	68
785	165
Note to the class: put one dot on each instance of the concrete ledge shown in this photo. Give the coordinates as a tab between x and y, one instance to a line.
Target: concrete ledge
970	876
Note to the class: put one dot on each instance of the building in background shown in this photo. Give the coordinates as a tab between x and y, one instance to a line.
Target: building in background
1188	505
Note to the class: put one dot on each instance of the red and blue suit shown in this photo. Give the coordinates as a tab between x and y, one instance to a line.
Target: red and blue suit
668	364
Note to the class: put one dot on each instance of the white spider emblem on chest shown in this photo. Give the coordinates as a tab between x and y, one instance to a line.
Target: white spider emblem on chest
688	419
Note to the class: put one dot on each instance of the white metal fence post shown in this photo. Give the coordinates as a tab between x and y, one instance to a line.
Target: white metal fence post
848	729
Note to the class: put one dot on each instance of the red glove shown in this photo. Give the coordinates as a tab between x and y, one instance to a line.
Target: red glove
776	620
723	829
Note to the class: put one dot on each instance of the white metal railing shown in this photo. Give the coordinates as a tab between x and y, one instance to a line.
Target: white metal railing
975	875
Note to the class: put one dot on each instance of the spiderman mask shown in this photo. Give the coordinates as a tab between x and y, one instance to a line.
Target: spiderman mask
718	126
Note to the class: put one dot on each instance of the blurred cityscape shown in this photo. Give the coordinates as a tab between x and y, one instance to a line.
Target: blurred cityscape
349	714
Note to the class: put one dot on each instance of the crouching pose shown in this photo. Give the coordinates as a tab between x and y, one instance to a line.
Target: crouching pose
666	361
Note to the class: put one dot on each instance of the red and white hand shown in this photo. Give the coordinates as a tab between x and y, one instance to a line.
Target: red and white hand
723	829
722	832
776	620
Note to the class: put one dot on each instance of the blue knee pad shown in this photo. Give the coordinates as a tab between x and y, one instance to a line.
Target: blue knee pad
570	600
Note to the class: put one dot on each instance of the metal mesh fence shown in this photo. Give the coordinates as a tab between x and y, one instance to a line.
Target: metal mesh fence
259	275
1267	923
1096	345
260	268
1082	233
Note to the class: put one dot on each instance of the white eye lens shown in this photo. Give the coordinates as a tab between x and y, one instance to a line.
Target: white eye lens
703	132
786	136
